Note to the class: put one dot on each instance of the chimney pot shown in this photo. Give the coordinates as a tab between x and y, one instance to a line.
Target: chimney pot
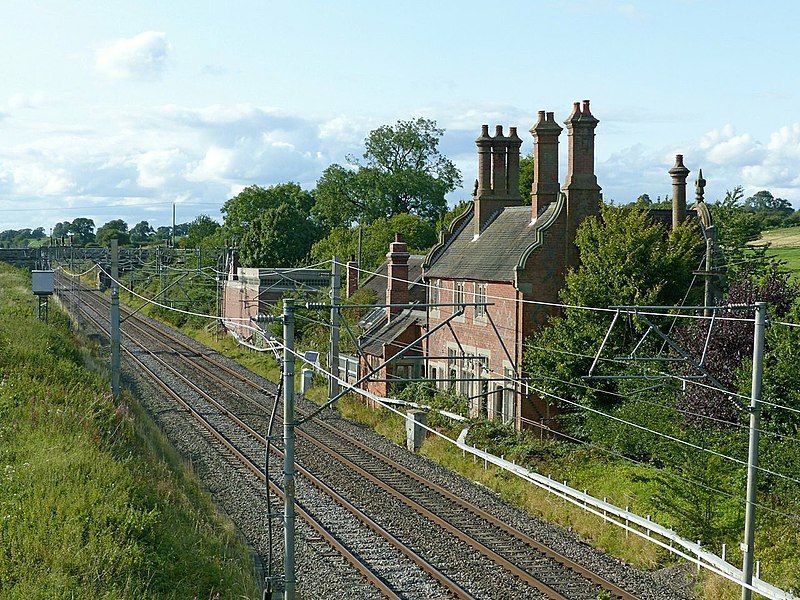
551	117
542	116
398	237
498	131
586	110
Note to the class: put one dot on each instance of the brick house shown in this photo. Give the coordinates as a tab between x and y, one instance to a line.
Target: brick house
388	330
504	252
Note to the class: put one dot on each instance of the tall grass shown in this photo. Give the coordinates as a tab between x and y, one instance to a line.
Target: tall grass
93	503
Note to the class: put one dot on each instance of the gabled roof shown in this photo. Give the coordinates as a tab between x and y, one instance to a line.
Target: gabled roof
503	245
383	333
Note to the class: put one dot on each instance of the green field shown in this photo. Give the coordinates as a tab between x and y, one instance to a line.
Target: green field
93	502
784	244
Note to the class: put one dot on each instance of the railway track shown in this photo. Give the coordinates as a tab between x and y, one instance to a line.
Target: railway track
359	468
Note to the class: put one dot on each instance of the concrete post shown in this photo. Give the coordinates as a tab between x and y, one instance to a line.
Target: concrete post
752	455
333	357
305	380
288	448
415	430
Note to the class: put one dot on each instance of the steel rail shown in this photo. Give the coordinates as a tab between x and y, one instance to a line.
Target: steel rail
372	577
494	556
474	509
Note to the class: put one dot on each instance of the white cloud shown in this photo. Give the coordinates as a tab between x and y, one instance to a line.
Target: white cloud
157	167
727	158
147	158
142	56
36	179
21	100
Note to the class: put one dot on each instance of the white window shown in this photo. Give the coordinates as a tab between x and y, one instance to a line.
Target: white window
433	291
480	296
458	293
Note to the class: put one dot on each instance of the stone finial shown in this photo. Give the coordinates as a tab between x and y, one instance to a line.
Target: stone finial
699	187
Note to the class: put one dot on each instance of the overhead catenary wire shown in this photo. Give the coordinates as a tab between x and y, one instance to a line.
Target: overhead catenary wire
667	473
613	417
657	405
663	435
172	308
556	304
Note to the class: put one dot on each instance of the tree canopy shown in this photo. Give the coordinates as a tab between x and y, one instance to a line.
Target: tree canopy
401	171
418	234
252	202
114	229
201	229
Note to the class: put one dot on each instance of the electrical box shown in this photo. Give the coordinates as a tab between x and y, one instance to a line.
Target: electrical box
42	282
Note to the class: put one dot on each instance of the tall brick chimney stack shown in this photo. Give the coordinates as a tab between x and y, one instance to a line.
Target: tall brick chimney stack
498	174
679	173
582	191
352	277
484	143
544	189
397	284
513	142
499	147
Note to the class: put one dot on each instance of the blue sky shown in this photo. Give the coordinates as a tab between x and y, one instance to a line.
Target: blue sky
117	109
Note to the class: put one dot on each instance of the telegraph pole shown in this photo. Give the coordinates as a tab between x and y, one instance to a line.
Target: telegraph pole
115	366
333	358
288	448
752	455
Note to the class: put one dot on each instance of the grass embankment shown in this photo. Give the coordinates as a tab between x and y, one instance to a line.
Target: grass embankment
93	504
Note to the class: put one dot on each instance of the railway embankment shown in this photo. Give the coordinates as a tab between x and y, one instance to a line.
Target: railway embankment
93	502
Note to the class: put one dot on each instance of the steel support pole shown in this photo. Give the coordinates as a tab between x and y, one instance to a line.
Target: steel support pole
288	448
333	357
752	456
707	299
115	365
